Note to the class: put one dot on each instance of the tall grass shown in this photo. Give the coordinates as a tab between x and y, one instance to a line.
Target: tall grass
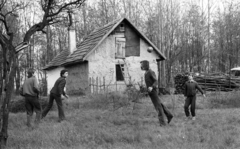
93	123
224	99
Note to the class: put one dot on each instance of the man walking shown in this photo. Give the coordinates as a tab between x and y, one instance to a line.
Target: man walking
58	94
190	88
151	83
30	91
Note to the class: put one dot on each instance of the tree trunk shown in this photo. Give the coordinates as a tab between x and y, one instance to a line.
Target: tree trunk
8	83
1	75
17	79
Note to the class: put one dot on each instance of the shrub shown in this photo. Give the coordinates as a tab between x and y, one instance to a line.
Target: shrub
18	104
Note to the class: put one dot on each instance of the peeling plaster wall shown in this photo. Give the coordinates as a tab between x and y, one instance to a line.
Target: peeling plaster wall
102	63
52	76
133	62
77	80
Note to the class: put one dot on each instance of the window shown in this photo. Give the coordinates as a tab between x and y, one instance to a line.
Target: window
237	73
119	72
122	27
120	47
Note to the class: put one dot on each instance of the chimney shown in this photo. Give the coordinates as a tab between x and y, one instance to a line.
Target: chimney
71	33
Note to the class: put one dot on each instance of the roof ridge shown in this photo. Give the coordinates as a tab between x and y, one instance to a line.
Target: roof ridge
109	23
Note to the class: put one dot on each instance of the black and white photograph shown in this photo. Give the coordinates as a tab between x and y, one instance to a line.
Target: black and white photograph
119	74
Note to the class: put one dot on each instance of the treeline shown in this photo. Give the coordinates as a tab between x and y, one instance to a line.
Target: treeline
194	36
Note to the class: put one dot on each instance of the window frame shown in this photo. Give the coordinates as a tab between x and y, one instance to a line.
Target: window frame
120	47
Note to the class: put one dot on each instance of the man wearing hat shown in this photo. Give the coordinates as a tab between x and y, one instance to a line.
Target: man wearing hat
151	83
30	91
57	93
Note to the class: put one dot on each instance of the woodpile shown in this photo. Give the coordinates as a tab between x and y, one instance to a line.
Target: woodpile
218	83
179	81
208	83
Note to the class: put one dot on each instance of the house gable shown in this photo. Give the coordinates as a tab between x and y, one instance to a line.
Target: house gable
103	62
132	41
94	39
91	42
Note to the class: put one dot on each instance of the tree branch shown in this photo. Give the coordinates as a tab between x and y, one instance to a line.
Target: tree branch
2	4
3	39
77	2
50	17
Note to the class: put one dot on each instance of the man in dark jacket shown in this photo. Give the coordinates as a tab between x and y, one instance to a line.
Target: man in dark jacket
151	83
58	94
30	91
190	88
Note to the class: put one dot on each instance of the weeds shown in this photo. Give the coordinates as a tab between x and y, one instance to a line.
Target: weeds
224	100
68	135
92	123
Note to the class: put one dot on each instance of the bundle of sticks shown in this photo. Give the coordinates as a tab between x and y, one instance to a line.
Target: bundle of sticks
208	83
218	83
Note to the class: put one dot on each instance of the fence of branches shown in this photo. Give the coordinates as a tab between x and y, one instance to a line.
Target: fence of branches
117	95
99	85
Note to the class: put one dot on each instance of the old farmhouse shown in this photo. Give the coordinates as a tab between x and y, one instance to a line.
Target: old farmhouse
112	52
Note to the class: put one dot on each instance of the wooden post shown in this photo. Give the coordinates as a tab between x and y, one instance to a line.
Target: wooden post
97	84
116	86
205	83
104	84
90	81
130	80
100	85
93	83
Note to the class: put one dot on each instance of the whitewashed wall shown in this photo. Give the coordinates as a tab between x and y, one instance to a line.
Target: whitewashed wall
52	76
102	62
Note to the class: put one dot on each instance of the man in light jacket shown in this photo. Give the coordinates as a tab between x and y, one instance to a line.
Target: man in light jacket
30	91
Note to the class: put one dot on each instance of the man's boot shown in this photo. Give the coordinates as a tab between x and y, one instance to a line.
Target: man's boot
167	113
29	120
38	118
161	121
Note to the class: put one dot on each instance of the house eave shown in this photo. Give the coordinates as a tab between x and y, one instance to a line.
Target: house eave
49	68
161	59
73	62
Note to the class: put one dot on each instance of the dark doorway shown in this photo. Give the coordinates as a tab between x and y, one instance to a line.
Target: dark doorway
119	72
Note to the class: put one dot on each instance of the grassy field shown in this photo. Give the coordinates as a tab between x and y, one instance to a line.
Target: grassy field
110	122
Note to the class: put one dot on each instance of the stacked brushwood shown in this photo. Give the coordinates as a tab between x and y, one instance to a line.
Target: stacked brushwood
218	83
179	81
210	82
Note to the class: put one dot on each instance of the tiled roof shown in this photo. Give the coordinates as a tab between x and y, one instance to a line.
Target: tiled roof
58	60
91	42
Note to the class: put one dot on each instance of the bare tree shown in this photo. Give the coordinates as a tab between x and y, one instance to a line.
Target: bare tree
53	12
